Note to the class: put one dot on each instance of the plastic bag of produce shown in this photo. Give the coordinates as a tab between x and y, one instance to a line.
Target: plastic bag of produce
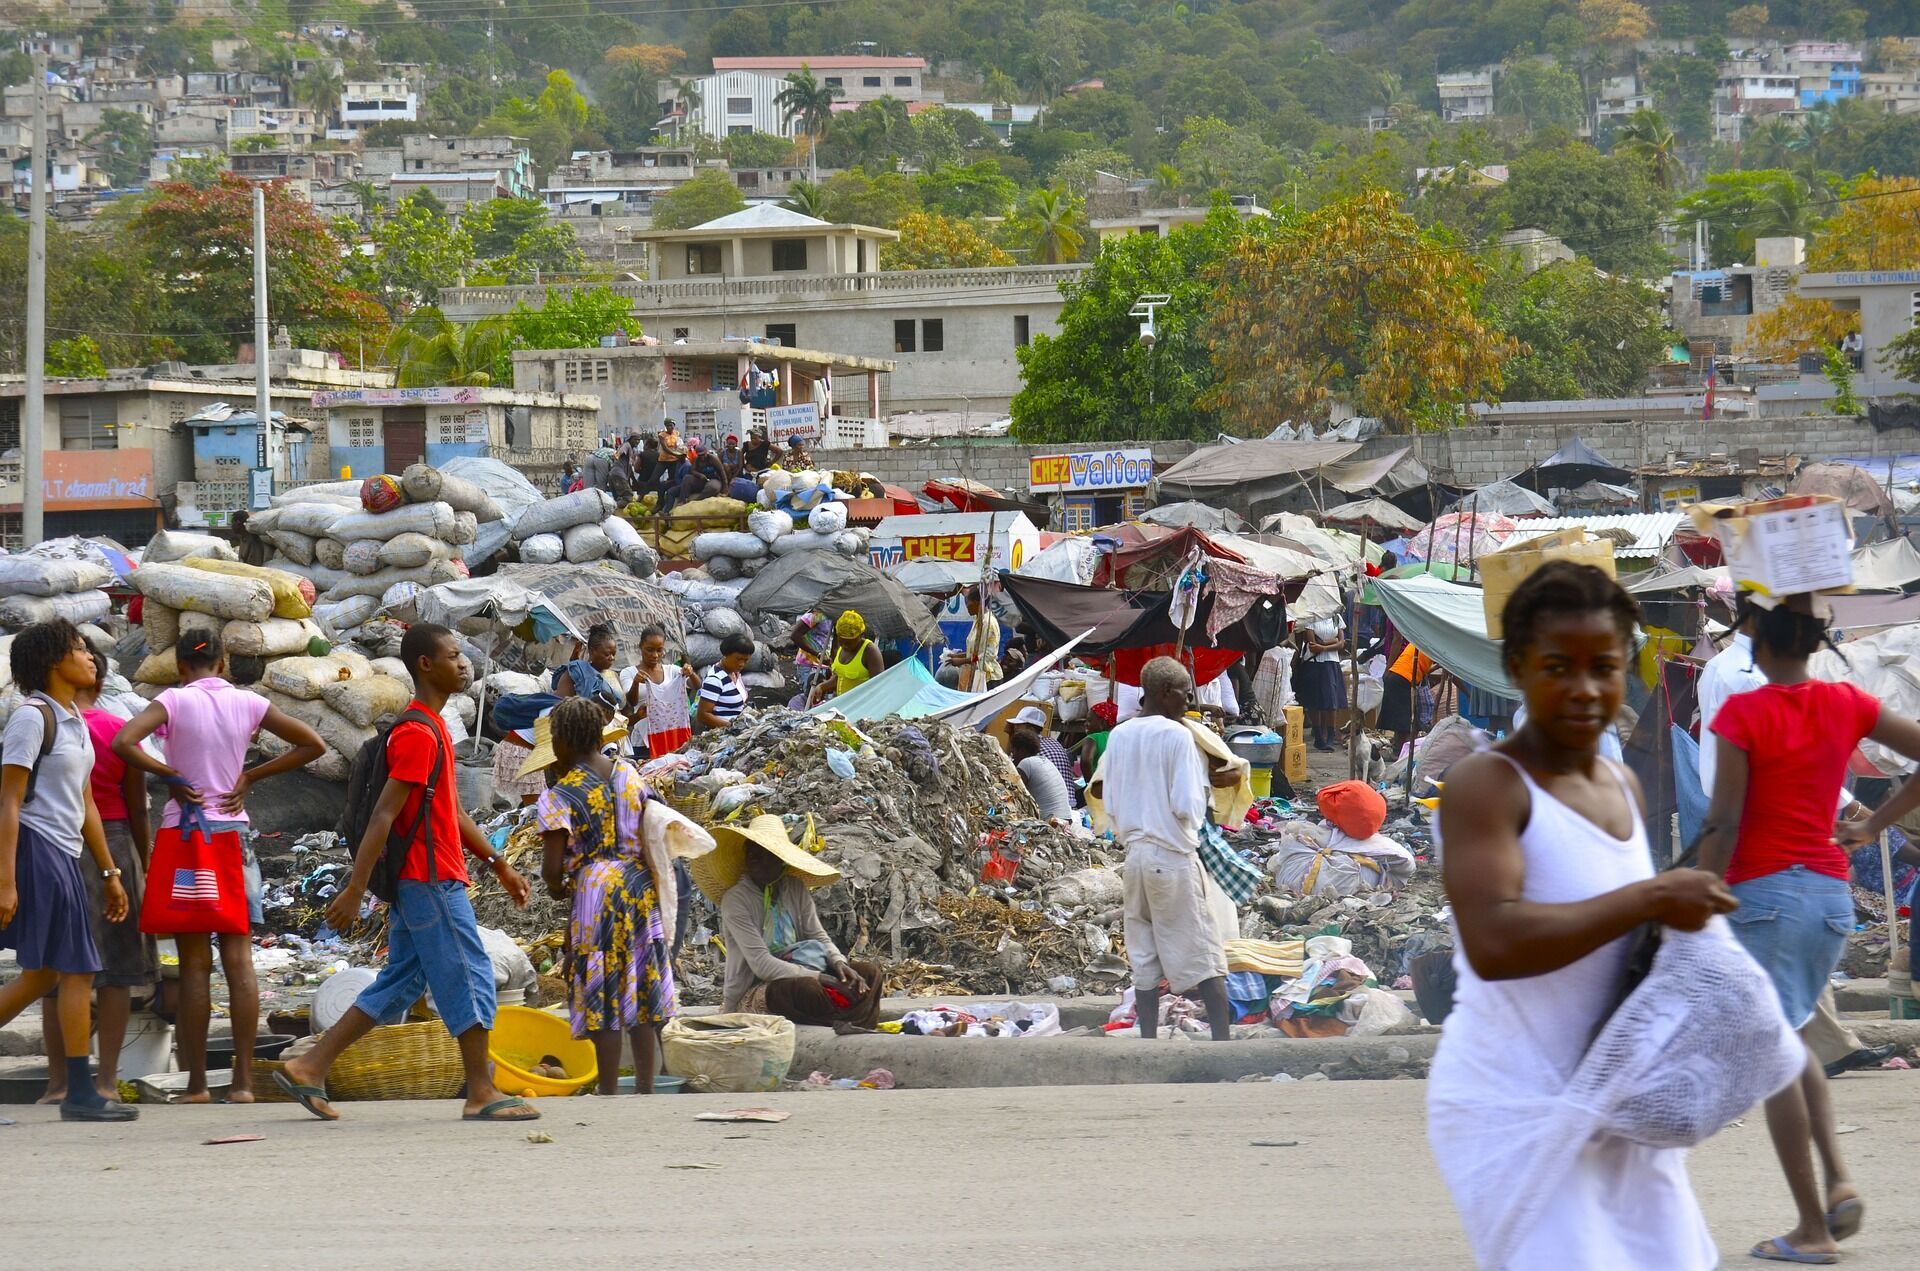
362	556
828	518
29	575
411	551
366	702
400	597
184	587
542	549
435	519
319	575
76	607
735	543
586	543
768	526
803	541
506	683
341	493
555	516
293	594
276	637
381	494
621	534
303	678
729	1054
713	507
393	667
173	545
425	484
342	616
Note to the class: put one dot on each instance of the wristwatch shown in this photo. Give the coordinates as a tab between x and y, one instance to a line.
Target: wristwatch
110	873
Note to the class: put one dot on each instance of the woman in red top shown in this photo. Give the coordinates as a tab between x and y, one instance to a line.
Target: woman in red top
1770	832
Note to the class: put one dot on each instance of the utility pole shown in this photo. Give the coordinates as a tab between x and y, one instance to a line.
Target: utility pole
33	415
262	372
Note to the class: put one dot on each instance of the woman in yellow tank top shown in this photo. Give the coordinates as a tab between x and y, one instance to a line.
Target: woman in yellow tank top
856	659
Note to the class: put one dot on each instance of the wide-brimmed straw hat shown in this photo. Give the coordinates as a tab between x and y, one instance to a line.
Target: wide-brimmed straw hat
541	757
717	871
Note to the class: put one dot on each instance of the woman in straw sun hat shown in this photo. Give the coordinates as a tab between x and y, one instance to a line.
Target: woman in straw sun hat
780	960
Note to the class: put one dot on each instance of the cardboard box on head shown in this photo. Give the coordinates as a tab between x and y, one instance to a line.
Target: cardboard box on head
1502	571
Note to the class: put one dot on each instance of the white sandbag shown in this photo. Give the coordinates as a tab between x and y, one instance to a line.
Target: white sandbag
803	541
330	553
335	729
768	526
161	624
506	683
466	529
366	702
230	597
459	706
374	584
735	543
158	668
542	549
315	518
303	678
723	568
557	515
850	543
642	561
586	543
340	493
828	518
193	624
393	668
296	547
78	606
172	545
620	532
721	623
433	519
26	575
400	597
362	556
276	637
411	551
424	484
700	594
342	616
319	575
97	640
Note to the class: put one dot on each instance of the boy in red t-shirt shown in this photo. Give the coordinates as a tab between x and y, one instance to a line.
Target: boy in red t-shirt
433	939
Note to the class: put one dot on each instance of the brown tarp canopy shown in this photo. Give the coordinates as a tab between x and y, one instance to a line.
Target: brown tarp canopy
1232	464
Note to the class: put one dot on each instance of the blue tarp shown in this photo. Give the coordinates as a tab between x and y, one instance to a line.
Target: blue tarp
906	689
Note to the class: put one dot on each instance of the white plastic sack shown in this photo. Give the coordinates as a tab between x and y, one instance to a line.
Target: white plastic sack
343	494
555	516
735	543
806	541
392	667
400	596
721	623
276	637
729	1054
75	607
330	553
362	556
173	545
233	598
37	576
339	732
374	584
466	528
767	526
542	549
828	518
505	683
314	518
434	519
425	484
341	616
411	551
298	548
366	702
586	543
161	624
304	678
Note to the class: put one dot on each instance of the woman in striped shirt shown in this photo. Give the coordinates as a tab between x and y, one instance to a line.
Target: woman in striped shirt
722	693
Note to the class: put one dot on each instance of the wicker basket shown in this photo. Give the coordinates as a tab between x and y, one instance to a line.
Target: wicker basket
695	805
400	1061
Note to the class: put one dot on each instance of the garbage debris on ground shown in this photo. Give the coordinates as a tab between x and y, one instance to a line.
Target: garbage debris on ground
877	1079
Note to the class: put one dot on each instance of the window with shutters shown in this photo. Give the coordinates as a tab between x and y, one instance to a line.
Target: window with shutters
586	371
680	373
1076	516
726	377
9	424
86	425
699	422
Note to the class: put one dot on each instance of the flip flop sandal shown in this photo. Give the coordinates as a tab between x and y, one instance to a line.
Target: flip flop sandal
111	1110
1844	1219
492	1111
1778	1250
313	1098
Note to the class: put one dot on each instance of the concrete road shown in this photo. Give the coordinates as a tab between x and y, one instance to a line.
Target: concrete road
1142	1176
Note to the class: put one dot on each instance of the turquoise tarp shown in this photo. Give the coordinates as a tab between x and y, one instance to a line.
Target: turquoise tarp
906	689
1445	621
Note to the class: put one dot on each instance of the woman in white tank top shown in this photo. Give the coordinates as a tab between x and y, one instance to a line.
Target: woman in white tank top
1548	873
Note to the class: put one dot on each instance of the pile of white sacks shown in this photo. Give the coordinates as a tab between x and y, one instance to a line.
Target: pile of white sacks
63	578
582	528
798	512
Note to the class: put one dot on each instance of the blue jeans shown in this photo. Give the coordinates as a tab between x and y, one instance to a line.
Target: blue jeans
433	942
1795	923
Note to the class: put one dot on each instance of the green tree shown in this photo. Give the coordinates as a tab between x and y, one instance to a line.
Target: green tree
1094	381
709	196
1740	207
1646	137
1079	173
977	189
855	198
1542	93
496	225
75	358
1891	147
319	91
1582	333
929	241
807	199
1901	355
807	103
416	253
1167	185
1605	207
1216	155
1749	21
427	350
576	318
123	143
1683	87
758	150
1054	225
561	101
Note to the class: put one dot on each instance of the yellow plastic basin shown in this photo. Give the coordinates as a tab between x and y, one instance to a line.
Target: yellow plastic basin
522	1037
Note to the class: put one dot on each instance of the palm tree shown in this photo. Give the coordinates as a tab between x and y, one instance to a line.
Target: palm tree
807	199
808	102
999	87
428	350
319	91
1164	188
1769	144
1055	226
686	98
1785	211
1646	137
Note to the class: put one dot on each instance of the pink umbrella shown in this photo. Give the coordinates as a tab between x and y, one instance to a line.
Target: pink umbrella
1461	537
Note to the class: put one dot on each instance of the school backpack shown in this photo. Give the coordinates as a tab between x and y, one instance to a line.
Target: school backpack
365	780
48	726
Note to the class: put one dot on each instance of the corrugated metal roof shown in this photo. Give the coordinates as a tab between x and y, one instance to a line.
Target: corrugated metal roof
1651	530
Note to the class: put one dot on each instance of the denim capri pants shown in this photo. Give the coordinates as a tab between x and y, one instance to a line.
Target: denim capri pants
1795	923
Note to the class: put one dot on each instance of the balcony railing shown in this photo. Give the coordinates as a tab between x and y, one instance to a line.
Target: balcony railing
799	286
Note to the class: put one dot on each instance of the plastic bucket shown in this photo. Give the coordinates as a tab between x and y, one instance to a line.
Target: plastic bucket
149	1045
1262	779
